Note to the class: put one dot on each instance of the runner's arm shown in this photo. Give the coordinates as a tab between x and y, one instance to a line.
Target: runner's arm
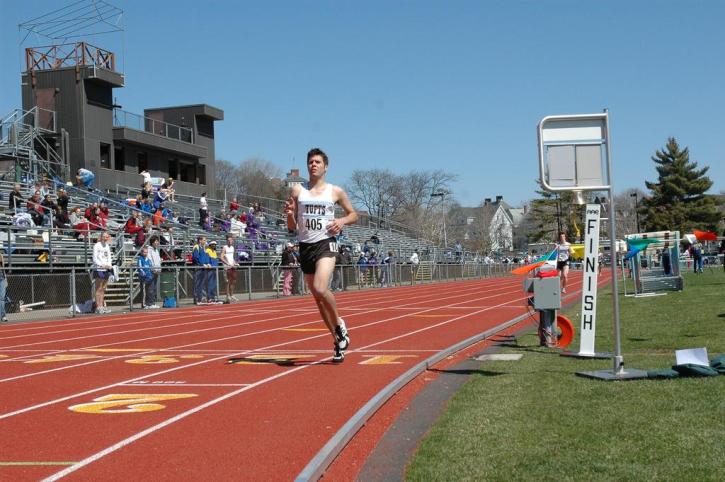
290	208
350	217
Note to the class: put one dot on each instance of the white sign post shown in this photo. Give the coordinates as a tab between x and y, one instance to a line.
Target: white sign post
588	324
575	155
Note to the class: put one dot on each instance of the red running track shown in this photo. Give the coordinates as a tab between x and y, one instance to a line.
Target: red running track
243	392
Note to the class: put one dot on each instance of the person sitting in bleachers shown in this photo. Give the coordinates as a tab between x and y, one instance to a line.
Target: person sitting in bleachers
146	190
16	199
35	209
168	188
160	215
160	198
48	210
234	206
63	200
236	227
133	224
61	220
147	206
79	223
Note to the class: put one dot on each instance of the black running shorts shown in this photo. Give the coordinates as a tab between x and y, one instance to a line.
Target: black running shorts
311	252
560	264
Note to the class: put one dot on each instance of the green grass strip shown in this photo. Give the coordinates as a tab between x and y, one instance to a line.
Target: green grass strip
534	419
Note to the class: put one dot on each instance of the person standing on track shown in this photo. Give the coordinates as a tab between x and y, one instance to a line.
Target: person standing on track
311	212
229	260
563	255
102	270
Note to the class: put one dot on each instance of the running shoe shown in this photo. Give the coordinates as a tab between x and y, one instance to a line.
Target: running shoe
338	356
341	338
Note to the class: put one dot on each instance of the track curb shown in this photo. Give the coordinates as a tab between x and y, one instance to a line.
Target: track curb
322	460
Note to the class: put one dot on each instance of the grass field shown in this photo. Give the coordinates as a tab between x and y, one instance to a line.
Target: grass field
533	419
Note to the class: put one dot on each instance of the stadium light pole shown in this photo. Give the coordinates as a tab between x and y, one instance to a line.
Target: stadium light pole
442	195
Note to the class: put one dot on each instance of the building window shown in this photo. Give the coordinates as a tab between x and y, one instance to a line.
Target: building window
119	162
105	156
187	172
143	161
174	168
202	174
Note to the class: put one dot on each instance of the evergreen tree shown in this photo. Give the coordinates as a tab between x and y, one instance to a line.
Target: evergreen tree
677	201
553	212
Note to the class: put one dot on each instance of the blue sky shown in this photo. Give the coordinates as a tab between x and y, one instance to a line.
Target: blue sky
408	85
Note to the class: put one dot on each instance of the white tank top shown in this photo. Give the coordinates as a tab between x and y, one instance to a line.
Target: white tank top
314	213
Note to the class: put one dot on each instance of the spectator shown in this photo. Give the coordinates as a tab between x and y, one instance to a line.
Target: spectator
373	267
200	259
63	200
203	209
102	270
168	188
146	277
85	178
35	209
135	228
16	199
211	279
696	253
300	287
155	257
387	270
62	220
243	218
79	223
234	205
414	264
3	289
146	190
160	198
146	177
362	265
229	260
289	265
48	210
45	189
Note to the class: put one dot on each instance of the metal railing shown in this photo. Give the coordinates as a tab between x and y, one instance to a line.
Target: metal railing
53	57
37	294
122	118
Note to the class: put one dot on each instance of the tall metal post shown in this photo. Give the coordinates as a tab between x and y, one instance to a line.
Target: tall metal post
618	359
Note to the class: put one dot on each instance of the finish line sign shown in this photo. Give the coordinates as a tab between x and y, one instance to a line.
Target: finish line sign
589	288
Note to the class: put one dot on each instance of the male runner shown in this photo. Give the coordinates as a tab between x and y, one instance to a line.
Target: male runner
311	212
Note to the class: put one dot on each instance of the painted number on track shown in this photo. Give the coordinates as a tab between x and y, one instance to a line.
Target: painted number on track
384	359
61	358
160	359
128	403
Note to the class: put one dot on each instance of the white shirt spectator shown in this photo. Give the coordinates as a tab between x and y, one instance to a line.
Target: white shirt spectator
203	204
146	176
155	258
414	259
228	255
102	258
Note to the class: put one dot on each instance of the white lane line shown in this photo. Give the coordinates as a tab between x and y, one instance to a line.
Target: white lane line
92	362
174	384
97	456
312	309
174	369
353	297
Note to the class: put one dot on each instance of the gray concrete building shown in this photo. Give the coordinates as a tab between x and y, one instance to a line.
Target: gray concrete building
115	144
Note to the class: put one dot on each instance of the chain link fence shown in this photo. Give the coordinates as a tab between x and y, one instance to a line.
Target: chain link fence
37	294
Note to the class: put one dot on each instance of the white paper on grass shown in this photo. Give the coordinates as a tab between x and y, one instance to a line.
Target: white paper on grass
693	356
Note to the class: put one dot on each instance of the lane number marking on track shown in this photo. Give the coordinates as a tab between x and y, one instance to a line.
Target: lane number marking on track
61	358
384	359
131	403
161	359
